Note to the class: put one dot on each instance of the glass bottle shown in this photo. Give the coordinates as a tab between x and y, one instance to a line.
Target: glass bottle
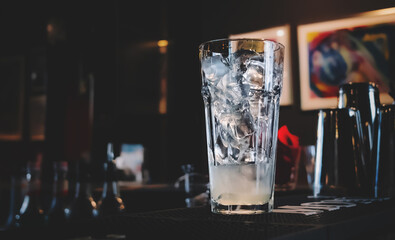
56	214
9	222
110	202
30	214
83	207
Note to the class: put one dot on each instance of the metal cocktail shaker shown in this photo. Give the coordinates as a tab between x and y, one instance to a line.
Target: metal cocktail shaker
364	97
355	149
339	163
386	166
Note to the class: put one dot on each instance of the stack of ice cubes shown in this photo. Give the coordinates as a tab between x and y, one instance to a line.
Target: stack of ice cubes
239	89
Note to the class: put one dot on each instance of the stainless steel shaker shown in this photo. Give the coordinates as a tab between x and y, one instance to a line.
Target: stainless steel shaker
340	167
364	97
386	165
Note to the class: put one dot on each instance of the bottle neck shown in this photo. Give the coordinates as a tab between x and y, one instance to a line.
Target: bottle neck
110	188
110	171
83	189
32	183
31	197
60	182
60	187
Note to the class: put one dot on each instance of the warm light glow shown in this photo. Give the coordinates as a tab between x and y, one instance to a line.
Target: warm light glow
163	43
50	28
385	11
163	96
280	33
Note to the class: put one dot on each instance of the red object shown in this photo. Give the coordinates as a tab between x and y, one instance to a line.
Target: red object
288	153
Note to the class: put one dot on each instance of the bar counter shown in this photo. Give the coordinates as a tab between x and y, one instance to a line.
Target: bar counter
361	219
374	220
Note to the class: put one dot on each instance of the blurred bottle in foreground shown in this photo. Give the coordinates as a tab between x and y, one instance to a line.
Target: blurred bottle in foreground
30	214
110	202
195	185
83	207
56	214
9	191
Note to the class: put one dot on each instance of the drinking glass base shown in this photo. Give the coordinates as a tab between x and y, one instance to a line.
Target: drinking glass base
240	209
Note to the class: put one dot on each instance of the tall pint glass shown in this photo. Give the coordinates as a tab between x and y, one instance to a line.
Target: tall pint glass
241	87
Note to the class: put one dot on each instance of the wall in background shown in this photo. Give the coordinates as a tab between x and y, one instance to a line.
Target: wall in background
115	44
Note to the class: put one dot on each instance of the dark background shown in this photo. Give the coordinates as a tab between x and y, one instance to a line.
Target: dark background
113	44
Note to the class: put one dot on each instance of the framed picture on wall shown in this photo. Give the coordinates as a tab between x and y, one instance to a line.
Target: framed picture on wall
11	97
355	49
280	34
37	98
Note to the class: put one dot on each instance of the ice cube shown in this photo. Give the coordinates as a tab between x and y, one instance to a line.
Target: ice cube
255	73
245	126
234	93
235	130
218	107
214	69
242	125
240	150
233	153
226	121
240	59
254	104
218	90
220	150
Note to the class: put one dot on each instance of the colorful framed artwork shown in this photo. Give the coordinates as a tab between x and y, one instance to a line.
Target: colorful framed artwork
355	49
280	34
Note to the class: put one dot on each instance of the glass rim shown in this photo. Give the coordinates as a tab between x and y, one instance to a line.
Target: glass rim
278	44
351	84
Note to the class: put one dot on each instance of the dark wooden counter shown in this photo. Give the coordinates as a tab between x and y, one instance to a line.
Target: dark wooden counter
366	220
375	220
